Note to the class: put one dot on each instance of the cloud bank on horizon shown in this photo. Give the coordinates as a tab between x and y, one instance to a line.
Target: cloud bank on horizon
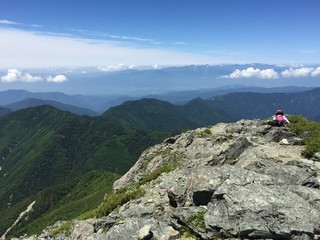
272	74
15	75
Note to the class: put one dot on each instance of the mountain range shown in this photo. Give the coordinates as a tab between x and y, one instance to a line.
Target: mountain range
153	114
156	114
66	163
96	105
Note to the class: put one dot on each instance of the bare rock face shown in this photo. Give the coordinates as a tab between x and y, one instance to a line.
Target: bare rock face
237	181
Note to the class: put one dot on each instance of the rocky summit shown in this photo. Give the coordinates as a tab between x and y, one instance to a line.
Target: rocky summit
243	180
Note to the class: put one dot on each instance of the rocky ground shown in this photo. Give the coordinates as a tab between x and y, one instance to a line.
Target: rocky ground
244	180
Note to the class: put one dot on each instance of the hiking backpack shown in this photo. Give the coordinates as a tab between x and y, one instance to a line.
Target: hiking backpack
280	119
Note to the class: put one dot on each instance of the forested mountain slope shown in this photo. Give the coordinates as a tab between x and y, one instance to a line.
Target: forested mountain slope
43	148
155	114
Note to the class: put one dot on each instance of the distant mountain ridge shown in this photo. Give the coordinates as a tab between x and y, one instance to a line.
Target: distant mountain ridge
100	104
251	105
94	103
159	115
33	102
182	97
155	114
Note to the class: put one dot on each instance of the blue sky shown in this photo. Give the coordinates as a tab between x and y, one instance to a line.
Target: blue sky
56	33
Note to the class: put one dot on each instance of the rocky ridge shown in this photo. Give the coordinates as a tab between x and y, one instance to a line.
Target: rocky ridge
243	180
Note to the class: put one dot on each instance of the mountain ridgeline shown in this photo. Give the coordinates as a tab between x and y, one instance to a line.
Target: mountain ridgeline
94	105
154	114
34	102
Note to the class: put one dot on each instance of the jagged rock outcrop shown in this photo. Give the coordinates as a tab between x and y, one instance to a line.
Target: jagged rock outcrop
244	180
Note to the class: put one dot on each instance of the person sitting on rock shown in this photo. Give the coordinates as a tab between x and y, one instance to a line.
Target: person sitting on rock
280	119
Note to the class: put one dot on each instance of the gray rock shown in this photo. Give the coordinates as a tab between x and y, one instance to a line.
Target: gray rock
243	180
316	157
82	230
278	133
284	142
145	233
235	149
296	141
169	233
256	209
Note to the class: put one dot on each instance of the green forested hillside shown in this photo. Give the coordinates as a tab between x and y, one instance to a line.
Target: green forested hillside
251	105
153	114
47	152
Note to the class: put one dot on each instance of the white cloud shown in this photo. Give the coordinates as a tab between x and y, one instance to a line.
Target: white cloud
8	22
272	74
251	72
268	73
12	75
299	72
31	49
57	79
316	72
114	68
15	75
156	66
29	78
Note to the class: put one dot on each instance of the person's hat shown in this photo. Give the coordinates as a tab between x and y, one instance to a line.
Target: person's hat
279	111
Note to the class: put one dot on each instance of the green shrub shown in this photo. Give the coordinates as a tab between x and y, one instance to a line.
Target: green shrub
205	133
64	228
117	199
301	126
197	220
186	233
156	173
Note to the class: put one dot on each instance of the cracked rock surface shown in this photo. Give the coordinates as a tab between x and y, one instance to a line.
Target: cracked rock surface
236	180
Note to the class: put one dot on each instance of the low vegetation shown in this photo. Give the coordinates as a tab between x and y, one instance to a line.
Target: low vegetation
206	132
117	199
197	220
310	130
